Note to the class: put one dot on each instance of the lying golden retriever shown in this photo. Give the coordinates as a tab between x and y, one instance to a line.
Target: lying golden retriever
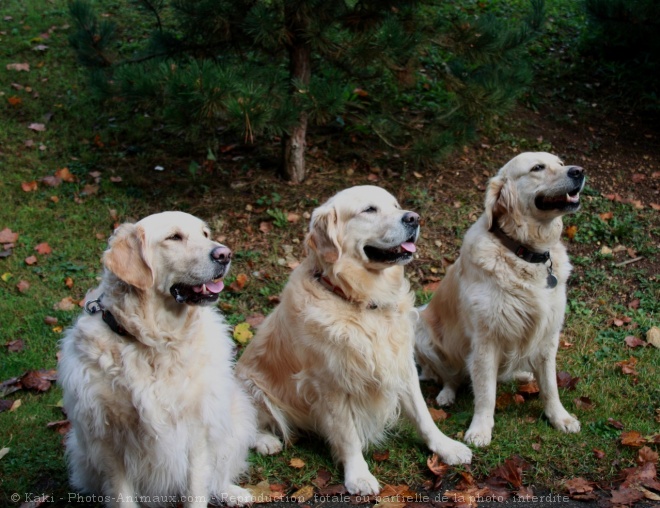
157	416
336	355
500	308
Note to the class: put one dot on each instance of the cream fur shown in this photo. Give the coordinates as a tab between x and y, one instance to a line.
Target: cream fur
158	414
493	315
336	367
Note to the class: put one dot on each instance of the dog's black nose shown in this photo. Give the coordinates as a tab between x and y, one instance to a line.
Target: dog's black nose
411	219
221	254
575	172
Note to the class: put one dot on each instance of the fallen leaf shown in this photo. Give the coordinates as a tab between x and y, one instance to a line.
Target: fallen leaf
583	403
43	248
581	489
605	250
31	260
297	463
266	227
599	454
65	174
653	336
323	477
23	286
615	423
50	320
266	493
396	493
8	236
625	496
61	426
38	380
24	67
503	401
51	181
536	446
4	451
89	189
29	186
372	177
438	415
5	405
6	276
633	342
115	179
565	380
14	101
239	283
613	197
436	466
381	455
511	471
606	216
15	346
68	282
638	177
645	455
39	127
242	333
303	494
292	217
632	438
337	489
634	304
65	304
431	286
518	399
655	206
628	366
571	231
530	388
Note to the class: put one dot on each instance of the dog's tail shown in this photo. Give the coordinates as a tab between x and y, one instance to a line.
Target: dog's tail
269	413
425	355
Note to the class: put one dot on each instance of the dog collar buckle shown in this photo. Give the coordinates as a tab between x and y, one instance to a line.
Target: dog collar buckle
94	306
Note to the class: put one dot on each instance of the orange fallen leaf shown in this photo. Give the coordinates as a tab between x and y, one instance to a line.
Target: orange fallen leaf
23	286
381	455
25	67
31	260
655	206
65	175
29	186
438	415
606	216
61	426
68	282
8	236
632	438
43	248
65	304
303	494
239	283
436	466
14	101
530	388
628	366
265	227
571	231
297	463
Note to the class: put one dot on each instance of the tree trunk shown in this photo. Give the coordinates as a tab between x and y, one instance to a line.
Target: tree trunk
300	70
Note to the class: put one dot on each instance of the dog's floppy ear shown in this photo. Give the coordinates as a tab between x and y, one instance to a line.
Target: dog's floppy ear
501	197
323	236
128	256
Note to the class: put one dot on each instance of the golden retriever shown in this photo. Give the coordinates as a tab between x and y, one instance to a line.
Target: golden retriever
336	356
157	415
499	310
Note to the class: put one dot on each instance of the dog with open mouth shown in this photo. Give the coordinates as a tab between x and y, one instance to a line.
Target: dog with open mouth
157	415
335	357
498	312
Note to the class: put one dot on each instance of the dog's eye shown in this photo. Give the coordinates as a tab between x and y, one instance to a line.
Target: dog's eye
206	234
371	209
538	167
175	237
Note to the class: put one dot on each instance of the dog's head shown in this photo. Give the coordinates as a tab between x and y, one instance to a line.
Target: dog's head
172	254
534	185
367	224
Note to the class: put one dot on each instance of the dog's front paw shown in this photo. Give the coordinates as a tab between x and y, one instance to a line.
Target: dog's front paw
237	496
446	397
478	436
452	452
364	484
267	444
565	423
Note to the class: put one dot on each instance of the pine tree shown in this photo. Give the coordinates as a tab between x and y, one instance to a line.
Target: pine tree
414	74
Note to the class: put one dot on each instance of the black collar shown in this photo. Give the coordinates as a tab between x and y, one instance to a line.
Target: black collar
522	251
94	306
327	284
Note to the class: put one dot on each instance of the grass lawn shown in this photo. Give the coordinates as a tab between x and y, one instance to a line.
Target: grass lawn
47	124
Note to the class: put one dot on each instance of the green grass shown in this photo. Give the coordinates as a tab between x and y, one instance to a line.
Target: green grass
598	290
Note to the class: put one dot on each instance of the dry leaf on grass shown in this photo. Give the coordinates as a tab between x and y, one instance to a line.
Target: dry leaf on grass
8	236
297	463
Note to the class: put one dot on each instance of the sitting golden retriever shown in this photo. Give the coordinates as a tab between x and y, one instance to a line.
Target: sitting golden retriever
500	308
336	355
157	416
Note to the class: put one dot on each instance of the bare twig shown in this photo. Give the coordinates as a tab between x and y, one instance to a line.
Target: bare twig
628	261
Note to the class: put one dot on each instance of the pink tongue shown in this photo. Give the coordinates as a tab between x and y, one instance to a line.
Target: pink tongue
213	287
409	246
